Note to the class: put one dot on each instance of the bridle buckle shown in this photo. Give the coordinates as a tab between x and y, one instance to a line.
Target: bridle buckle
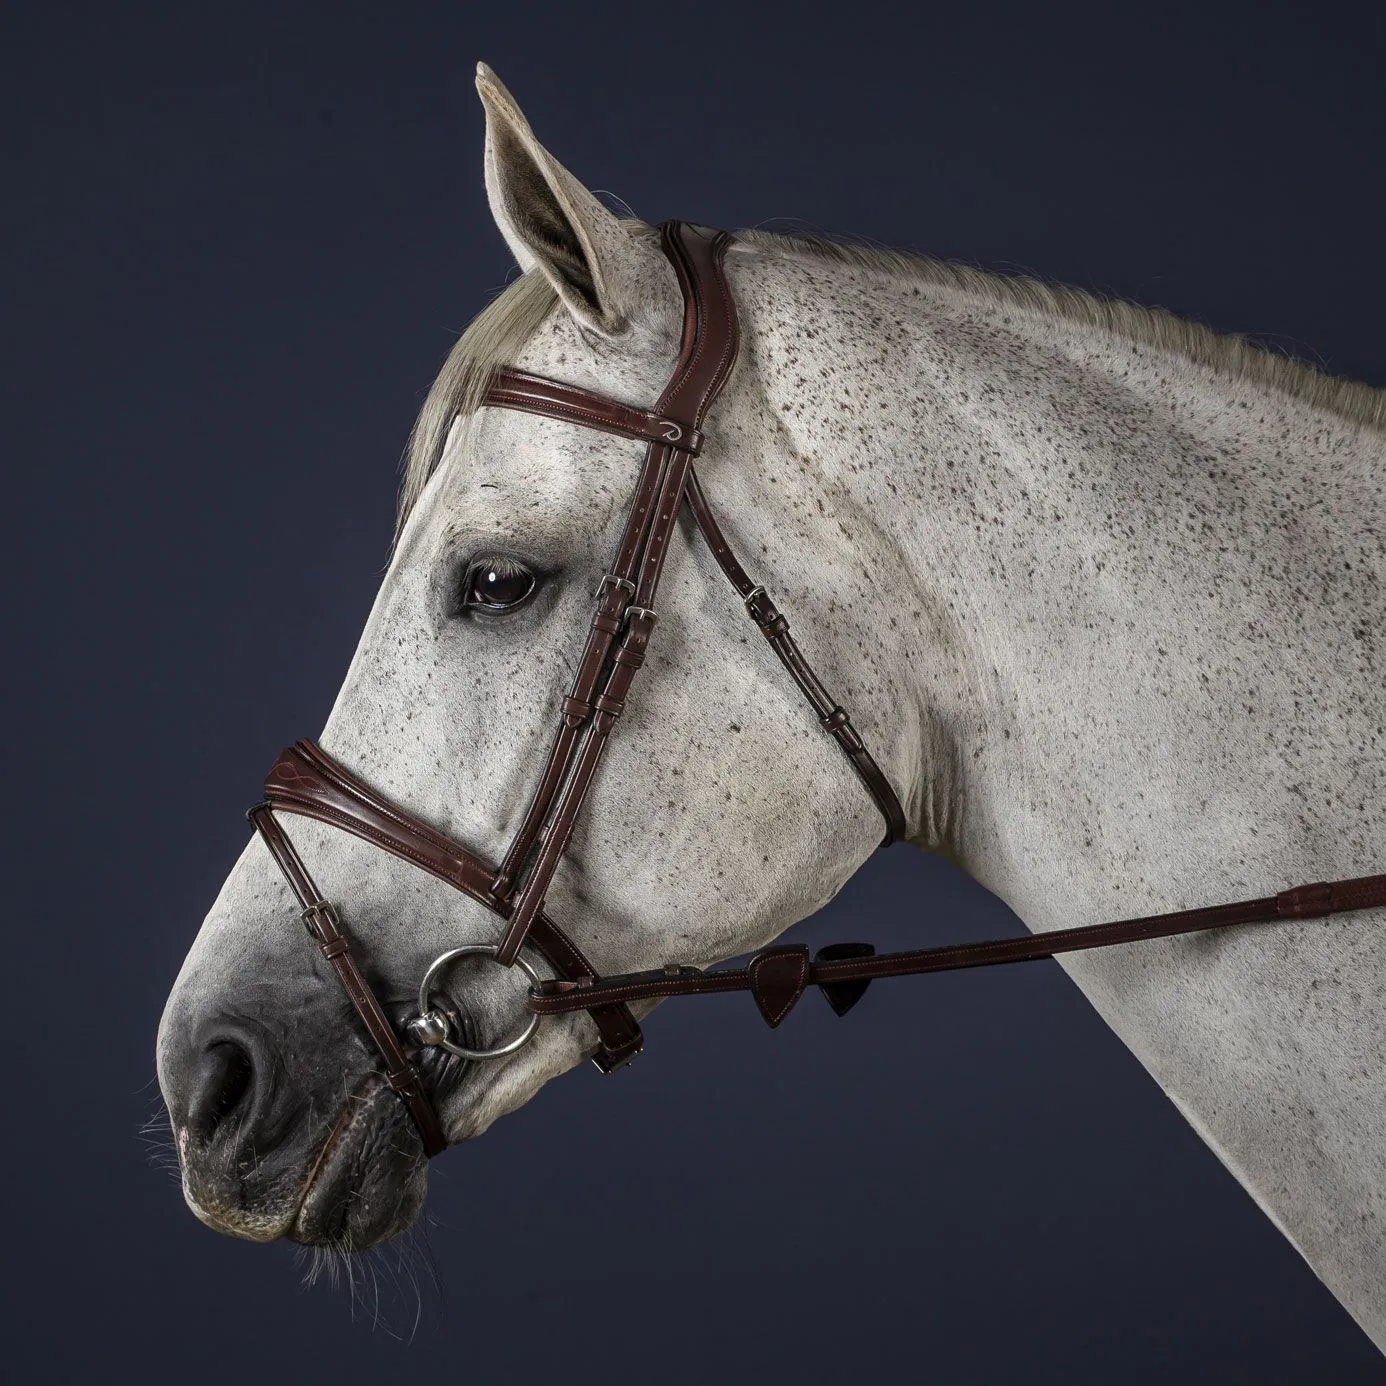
611	580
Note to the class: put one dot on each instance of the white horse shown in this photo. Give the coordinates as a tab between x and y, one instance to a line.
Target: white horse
1102	591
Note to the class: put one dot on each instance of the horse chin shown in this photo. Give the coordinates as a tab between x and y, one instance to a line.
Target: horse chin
369	1179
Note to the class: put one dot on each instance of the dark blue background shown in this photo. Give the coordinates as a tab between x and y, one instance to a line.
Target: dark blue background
237	240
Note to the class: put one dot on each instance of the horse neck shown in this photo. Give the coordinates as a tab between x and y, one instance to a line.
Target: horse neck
1139	613
1122	578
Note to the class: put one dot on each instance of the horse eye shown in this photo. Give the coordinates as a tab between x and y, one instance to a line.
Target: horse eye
496	584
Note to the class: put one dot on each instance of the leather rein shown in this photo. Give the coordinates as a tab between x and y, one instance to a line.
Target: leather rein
305	780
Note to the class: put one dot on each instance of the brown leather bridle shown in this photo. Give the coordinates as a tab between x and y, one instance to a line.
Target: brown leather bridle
305	780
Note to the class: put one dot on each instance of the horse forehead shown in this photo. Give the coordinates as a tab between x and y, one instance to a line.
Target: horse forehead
533	480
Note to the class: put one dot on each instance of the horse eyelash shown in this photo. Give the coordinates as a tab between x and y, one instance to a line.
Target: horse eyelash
500	564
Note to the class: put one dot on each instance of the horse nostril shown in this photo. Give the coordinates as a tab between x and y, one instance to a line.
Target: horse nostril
222	1082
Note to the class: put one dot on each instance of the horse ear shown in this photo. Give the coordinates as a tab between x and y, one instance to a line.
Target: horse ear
552	223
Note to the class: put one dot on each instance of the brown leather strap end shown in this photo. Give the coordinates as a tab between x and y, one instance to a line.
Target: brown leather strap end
777	979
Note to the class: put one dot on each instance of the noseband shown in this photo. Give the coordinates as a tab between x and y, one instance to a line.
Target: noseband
305	780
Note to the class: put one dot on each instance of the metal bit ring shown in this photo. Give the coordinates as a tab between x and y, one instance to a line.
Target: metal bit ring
431	1027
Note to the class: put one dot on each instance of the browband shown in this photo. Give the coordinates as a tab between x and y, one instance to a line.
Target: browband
532	394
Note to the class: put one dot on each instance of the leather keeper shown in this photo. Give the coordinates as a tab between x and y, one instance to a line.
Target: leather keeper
765	613
777	979
322	921
850	740
1306	901
335	947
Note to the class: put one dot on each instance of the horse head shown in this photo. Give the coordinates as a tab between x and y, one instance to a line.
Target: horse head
716	818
